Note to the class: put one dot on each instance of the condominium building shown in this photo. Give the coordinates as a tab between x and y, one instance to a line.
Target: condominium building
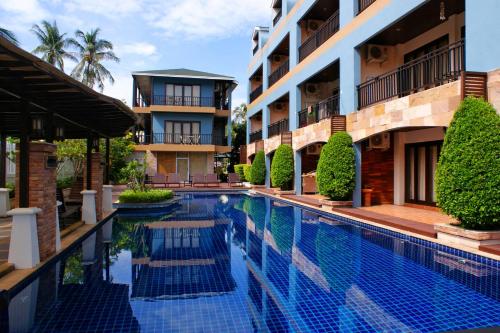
186	120
390	73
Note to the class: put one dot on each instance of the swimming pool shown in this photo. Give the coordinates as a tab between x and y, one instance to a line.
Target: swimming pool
240	263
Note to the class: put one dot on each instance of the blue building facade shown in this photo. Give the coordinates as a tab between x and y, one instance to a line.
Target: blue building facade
186	120
390	73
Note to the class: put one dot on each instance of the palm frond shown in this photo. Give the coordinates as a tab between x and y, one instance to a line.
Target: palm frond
9	35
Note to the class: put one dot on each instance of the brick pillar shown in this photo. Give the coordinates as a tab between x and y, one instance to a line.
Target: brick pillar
42	188
96	182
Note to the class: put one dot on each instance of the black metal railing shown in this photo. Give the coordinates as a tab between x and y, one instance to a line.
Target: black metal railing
279	72
363	4
324	32
256	136
435	68
182	139
184	101
277	17
255	49
277	128
256	93
322	110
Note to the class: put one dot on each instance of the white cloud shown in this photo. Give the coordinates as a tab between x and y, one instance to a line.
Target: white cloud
20	13
122	89
207	18
109	8
139	48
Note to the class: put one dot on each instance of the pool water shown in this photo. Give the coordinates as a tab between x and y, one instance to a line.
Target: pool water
240	263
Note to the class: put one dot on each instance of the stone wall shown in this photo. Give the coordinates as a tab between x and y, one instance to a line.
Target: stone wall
318	132
42	194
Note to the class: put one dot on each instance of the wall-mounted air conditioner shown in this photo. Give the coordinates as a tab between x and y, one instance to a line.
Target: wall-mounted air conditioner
312	89
380	141
314	149
376	53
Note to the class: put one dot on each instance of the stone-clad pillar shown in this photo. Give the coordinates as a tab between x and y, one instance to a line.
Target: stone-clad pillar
96	182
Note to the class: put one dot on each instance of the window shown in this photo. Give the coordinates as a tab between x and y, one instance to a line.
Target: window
185	132
183	95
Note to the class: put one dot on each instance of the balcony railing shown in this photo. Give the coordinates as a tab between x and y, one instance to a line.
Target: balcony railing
185	101
324	32
435	68
181	139
363	4
256	136
277	128
322	110
277	17
256	93
279	72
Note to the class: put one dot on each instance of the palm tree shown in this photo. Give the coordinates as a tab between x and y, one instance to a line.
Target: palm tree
240	114
92	51
9	35
52	44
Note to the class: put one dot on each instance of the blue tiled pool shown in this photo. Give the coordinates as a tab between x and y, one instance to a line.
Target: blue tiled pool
239	263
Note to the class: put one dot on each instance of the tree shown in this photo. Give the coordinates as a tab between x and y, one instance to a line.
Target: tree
120	151
240	114
467	176
282	168
258	170
52	44
336	172
92	51
74	152
9	35
239	139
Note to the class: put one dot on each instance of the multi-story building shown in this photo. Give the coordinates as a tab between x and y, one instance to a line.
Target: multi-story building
391	73
186	119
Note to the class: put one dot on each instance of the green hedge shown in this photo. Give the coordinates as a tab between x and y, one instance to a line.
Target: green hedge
150	196
66	182
282	167
258	170
468	173
336	172
247	171
238	168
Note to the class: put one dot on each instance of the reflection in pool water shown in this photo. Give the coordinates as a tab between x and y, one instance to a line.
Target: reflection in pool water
237	263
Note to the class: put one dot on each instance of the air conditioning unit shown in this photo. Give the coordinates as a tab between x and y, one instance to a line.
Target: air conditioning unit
279	106
313	25
376	53
314	149
380	141
258	79
276	58
312	89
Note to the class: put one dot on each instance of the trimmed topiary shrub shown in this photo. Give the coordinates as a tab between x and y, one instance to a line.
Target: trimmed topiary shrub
258	170
149	196
336	171
282	167
247	169
239	169
467	176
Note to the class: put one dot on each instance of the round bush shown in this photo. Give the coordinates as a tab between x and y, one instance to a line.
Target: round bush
467	177
336	172
239	169
282	167
258	170
247	169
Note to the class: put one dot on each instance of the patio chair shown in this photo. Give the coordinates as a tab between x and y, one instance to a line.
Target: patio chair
159	179
199	179
174	179
211	179
233	179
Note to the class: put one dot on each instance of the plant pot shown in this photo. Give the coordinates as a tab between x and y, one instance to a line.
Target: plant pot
330	204
367	197
470	238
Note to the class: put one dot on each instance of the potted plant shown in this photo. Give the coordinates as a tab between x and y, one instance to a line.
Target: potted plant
336	172
282	170
467	181
258	170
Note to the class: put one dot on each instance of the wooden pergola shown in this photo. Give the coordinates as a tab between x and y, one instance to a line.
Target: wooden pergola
40	102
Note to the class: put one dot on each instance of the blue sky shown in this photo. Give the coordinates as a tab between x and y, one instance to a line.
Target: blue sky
208	35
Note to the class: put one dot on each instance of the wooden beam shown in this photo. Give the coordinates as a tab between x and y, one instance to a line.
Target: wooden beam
24	154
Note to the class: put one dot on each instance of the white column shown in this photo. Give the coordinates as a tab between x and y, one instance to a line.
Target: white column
107	198
58	230
88	207
23	249
4	201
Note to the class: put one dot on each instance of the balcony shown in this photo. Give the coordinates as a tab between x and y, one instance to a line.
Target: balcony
324	32
255	136
277	17
363	4
278	128
256	93
180	139
164	100
322	110
439	67
281	71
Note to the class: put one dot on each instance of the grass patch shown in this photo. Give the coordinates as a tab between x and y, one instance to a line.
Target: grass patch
150	196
